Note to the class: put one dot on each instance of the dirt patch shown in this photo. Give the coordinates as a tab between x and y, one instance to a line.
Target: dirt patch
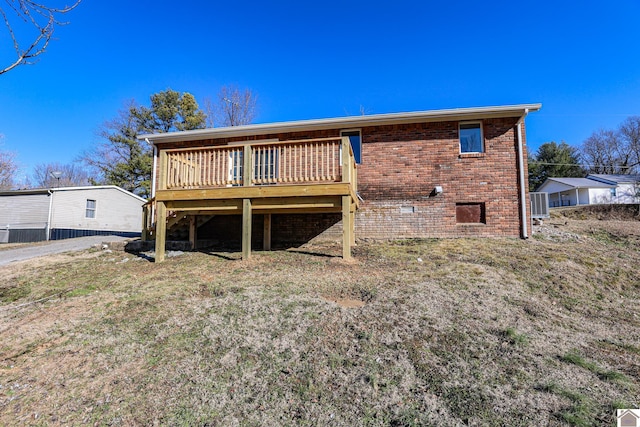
346	302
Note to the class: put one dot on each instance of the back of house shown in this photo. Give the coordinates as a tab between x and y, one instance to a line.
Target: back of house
442	173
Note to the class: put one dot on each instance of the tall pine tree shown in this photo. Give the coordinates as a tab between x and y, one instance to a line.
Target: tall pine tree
554	160
120	158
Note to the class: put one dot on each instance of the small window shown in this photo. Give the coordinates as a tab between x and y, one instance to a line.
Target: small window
355	138
471	140
91	209
470	213
613	192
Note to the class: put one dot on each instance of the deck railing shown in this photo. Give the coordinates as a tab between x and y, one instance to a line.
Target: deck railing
268	163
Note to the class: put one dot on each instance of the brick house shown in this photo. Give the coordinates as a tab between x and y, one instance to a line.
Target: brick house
442	173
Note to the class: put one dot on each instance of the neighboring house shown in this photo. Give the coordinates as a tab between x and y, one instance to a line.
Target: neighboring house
442	173
627	187
576	191
593	190
60	213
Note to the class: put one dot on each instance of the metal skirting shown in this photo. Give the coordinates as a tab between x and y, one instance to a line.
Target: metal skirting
23	235
69	233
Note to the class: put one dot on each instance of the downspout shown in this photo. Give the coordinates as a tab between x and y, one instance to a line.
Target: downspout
48	228
153	172
521	164
153	176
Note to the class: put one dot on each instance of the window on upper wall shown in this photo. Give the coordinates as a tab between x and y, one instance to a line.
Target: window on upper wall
355	137
471	138
91	209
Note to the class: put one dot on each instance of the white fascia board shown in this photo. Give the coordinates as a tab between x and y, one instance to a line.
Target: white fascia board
344	122
100	187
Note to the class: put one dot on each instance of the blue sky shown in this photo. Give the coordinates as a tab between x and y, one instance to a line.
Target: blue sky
308	60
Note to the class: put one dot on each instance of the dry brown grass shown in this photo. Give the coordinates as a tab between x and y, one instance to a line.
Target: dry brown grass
465	331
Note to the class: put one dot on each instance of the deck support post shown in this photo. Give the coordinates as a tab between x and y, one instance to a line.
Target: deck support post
193	231
246	229
266	239
353	224
145	224
346	227
161	230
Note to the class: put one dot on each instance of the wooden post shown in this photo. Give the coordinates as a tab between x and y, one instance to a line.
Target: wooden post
353	224
247	175
266	239
161	231
246	229
193	231
145	224
346	159
346	227
247	166
162	169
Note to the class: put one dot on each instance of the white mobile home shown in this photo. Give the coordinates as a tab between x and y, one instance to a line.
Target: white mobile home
576	191
60	213
627	187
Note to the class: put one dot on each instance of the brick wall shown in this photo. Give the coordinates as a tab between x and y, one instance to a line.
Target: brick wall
401	165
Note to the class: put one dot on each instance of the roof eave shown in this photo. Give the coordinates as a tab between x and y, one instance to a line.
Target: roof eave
344	122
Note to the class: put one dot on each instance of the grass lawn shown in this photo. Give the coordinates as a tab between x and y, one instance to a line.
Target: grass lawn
430	332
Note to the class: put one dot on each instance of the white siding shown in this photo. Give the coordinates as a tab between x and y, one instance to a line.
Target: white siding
24	211
626	193
599	196
115	210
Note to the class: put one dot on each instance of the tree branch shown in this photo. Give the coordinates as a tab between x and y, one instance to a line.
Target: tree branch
27	11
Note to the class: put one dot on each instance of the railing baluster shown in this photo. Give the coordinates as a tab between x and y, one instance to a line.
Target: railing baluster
273	163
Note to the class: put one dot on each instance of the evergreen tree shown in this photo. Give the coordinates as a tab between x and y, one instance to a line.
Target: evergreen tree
554	160
123	160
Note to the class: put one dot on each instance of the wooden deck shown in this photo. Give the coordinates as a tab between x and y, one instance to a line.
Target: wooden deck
307	176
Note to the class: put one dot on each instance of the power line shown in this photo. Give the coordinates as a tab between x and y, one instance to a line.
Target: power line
581	165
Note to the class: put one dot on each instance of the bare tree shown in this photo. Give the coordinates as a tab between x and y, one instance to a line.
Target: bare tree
629	132
60	175
233	107
8	169
600	152
613	151
30	26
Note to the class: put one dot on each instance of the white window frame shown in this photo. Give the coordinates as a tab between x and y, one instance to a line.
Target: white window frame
236	160
93	209
480	126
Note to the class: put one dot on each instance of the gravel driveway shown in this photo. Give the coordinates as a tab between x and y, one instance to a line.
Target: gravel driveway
53	247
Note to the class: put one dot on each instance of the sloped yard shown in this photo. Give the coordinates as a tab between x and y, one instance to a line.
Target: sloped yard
431	332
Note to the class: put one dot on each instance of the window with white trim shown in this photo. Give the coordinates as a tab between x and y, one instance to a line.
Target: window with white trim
90	211
471	137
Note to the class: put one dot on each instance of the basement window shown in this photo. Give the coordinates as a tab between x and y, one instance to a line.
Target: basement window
470	213
471	139
91	209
